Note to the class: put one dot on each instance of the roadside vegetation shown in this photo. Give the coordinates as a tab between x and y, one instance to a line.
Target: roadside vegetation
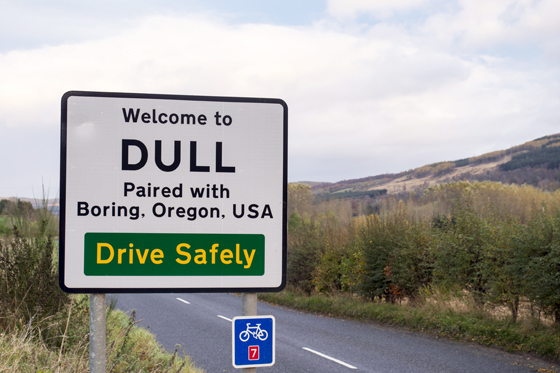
43	329
478	261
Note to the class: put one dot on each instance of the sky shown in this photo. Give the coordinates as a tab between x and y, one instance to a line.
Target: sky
372	86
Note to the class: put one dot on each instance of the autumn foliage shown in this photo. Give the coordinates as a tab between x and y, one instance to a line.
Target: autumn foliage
498	243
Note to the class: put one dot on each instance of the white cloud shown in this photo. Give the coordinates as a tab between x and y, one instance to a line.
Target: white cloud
380	8
476	24
363	99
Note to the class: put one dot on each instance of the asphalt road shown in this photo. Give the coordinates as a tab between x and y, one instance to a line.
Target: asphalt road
198	324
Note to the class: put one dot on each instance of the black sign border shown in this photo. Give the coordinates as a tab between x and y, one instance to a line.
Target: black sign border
62	210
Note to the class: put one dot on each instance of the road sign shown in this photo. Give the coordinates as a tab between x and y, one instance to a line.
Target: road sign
253	341
166	193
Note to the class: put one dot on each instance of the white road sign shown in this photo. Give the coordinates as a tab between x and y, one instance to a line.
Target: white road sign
172	193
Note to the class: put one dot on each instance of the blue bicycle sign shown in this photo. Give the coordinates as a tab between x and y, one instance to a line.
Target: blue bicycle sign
253	341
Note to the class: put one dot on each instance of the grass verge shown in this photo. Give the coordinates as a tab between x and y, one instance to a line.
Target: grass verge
129	348
4	225
529	336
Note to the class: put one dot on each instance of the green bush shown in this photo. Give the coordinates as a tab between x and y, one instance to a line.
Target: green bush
505	266
539	243
376	242
304	248
28	279
398	259
412	262
460	252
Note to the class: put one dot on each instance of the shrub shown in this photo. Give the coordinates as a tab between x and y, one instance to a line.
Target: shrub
539	243
304	248
460	252
28	279
376	242
412	259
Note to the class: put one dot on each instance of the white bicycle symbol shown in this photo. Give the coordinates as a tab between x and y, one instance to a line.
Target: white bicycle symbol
255	331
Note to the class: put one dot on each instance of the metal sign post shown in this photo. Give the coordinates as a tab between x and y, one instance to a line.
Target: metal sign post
97	333
248	304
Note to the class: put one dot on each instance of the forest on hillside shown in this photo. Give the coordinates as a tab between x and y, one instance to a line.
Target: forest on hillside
534	163
498	242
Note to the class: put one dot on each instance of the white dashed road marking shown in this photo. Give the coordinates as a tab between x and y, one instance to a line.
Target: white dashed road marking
330	358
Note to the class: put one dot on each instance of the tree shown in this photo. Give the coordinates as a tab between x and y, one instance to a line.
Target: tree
4	205
540	245
461	251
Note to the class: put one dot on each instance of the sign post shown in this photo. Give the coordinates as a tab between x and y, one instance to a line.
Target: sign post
248	308
97	333
168	193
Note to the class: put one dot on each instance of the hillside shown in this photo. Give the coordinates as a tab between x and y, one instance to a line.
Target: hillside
535	162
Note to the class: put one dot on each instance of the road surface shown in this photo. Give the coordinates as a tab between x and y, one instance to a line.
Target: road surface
200	324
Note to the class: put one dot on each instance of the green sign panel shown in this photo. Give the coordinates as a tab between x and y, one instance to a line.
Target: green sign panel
173	254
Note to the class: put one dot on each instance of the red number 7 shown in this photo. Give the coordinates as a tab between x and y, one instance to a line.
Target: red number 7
253	352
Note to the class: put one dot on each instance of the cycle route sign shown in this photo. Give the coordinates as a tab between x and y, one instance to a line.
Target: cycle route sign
253	341
169	193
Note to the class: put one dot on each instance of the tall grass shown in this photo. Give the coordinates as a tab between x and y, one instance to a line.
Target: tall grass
5	227
29	288
38	219
129	349
43	329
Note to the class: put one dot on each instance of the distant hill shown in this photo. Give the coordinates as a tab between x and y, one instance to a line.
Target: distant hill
535	162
